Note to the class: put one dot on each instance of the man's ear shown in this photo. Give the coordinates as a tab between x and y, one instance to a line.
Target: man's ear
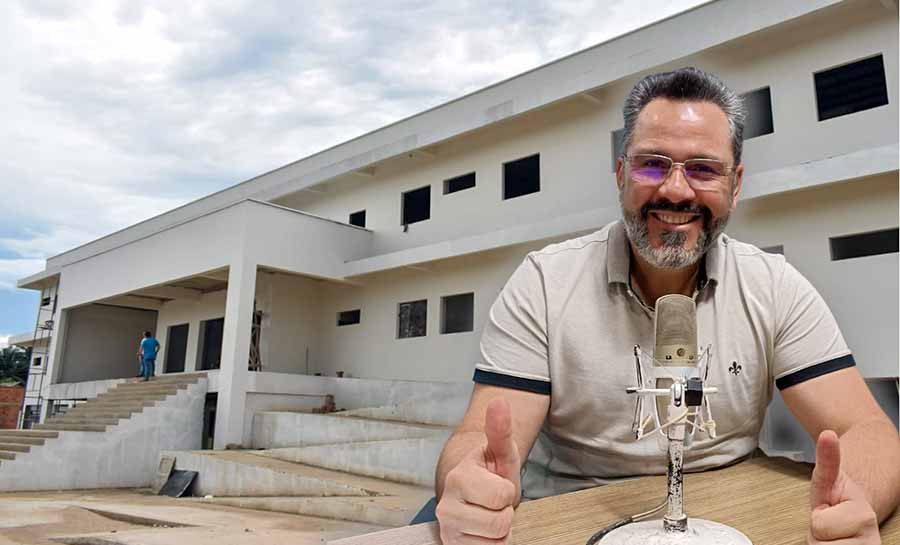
738	183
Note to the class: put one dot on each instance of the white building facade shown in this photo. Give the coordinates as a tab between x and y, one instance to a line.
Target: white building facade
268	283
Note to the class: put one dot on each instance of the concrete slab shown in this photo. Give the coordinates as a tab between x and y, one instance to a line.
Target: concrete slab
391	511
284	429
403	460
36	518
243	473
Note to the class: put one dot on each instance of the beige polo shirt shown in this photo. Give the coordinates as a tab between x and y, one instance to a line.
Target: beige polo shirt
565	325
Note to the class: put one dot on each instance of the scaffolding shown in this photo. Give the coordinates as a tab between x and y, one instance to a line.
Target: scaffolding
40	348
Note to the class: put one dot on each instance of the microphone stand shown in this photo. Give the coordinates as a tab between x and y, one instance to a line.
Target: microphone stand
685	399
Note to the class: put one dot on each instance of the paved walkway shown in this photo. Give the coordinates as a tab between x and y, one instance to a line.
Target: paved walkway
136	517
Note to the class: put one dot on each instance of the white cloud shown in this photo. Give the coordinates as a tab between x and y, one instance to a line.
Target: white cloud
116	111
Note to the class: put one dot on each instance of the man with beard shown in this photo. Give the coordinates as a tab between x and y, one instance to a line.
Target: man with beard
556	351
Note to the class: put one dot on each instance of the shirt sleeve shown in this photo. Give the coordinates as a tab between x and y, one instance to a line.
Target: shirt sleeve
808	341
514	341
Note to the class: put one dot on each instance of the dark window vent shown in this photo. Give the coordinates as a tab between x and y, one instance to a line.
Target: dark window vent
412	318
864	244
348	317
416	205
459	183
358	218
522	177
851	88
457	313
617	142
759	113
45	302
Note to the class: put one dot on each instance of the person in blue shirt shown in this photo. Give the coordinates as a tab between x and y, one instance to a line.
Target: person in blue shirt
149	348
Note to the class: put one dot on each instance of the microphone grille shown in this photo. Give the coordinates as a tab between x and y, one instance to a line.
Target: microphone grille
676	331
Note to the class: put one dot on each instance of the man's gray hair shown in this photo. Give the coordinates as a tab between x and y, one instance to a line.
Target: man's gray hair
687	84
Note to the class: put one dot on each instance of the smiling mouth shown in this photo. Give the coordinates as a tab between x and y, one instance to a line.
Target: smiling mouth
675	218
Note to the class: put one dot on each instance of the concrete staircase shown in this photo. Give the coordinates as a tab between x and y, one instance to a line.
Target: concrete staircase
338	465
112	440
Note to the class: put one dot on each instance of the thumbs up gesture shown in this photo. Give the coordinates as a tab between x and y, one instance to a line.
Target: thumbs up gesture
481	491
840	510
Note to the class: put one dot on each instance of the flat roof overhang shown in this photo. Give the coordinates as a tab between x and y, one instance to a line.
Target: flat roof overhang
39	281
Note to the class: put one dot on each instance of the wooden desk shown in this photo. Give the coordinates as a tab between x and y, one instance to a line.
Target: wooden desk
766	498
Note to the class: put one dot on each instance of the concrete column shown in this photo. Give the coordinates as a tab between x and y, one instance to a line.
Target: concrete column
233	373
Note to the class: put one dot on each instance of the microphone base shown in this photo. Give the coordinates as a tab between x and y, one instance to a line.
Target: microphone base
699	532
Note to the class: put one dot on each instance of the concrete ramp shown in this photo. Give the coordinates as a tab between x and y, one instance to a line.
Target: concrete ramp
246	479
111	442
291	429
391	511
403	460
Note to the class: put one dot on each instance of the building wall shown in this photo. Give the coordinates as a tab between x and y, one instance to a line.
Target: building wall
290	326
573	137
371	348
861	292
102	341
192	312
10	404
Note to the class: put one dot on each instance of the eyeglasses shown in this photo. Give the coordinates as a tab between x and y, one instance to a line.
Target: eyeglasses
701	174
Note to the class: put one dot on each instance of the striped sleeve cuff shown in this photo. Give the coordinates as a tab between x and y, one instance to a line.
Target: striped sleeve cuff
509	381
814	371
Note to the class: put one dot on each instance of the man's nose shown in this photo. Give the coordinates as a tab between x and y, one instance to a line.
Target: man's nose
675	187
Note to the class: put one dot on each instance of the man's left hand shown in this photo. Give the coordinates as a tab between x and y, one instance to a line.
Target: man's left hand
841	513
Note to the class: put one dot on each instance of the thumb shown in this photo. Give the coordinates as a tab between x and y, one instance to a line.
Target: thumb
500	445
827	470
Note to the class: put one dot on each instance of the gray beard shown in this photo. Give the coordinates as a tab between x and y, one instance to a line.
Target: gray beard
672	254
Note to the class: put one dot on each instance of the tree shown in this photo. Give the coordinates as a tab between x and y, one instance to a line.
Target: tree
13	364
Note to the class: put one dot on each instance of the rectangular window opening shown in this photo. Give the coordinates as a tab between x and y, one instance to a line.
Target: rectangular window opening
176	348
348	317
209	349
37	362
45	302
358	218
457	313
522	177
412	318
880	242
466	181
416	205
851	88
759	113
617	142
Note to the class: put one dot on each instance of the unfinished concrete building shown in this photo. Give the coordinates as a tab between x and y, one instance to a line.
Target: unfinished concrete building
366	271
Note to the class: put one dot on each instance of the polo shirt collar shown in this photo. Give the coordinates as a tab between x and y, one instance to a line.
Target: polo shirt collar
618	258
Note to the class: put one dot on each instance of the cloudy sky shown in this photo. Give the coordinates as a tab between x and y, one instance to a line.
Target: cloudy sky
116	111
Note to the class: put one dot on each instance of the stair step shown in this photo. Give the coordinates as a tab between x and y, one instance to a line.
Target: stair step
72	427
142	394
84	420
6	435
115	405
5	455
15	447
150	384
30	441
101	413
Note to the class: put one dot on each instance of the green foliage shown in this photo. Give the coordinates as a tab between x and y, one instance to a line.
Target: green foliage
13	364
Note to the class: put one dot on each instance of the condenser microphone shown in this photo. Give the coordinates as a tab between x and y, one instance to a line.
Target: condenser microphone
675	345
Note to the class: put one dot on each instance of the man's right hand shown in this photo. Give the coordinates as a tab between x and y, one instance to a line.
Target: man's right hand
481	492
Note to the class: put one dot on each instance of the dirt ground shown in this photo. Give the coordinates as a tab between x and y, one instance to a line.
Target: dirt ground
137	517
